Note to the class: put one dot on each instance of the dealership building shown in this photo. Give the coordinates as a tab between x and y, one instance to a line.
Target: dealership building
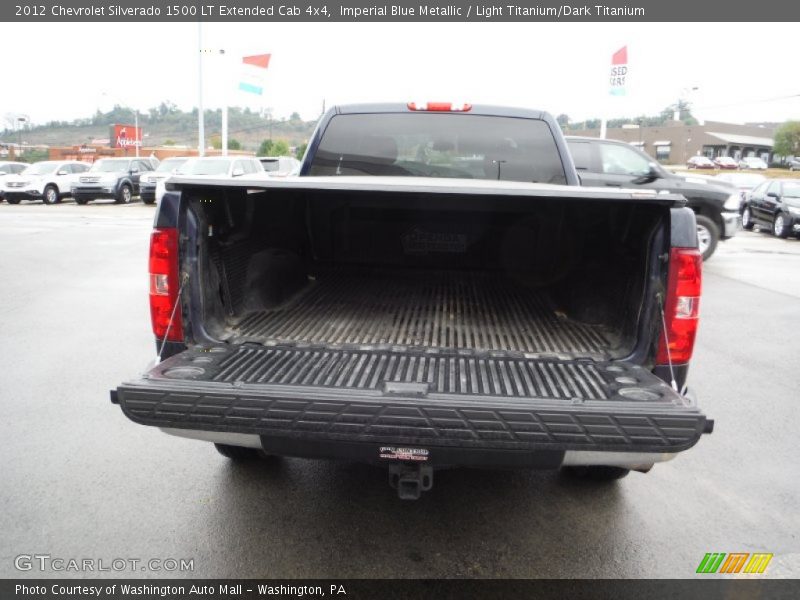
675	143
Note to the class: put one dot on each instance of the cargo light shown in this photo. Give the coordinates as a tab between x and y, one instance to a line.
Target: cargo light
440	106
681	306
165	313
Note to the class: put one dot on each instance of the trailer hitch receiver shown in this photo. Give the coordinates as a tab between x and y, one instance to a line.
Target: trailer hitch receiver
410	480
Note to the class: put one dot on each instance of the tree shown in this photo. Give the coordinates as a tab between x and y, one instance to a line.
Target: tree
563	120
787	139
233	144
280	148
300	150
265	149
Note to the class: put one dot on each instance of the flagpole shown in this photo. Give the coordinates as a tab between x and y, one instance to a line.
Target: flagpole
224	107
224	128
201	133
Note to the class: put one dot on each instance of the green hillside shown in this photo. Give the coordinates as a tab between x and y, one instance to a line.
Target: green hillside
167	124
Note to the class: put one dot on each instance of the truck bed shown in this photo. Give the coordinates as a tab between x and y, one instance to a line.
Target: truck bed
471	312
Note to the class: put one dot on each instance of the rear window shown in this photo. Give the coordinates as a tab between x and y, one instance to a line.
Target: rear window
439	145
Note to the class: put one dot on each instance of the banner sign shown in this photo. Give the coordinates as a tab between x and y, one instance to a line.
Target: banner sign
254	70
619	71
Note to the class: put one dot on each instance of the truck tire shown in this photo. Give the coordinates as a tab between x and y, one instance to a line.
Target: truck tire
707	236
596	472
149	201
125	194
779	227
13	200
747	219
50	195
81	200
238	453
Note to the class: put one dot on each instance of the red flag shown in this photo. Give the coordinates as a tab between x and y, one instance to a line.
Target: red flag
257	60
620	57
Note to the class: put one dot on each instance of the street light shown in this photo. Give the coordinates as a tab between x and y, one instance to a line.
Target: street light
20	120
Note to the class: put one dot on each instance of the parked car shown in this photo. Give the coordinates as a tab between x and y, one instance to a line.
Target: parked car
221	166
425	320
611	163
753	162
700	162
148	181
116	178
774	204
214	167
9	168
794	164
49	181
280	166
726	162
744	182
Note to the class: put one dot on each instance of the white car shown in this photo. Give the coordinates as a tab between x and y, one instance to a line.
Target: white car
753	162
49	181
214	167
9	168
280	166
148	182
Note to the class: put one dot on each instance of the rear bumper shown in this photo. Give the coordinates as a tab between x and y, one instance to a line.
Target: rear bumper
630	419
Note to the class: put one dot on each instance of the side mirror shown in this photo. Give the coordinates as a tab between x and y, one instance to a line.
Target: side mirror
773	195
652	174
238	171
61	172
134	170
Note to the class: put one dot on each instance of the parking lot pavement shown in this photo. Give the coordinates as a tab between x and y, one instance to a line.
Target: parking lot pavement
759	259
81	481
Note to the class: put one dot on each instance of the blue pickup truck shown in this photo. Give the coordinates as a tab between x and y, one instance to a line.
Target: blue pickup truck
434	290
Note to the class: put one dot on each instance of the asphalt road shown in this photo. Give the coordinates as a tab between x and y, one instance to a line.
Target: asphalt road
81	481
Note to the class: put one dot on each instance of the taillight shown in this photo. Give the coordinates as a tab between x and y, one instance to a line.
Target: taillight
164	285
440	106
681	306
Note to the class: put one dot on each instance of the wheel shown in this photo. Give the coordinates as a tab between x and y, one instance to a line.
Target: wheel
13	200
791	167
81	200
779	227
707	236
747	219
149	201
596	472
125	194
50	195
238	453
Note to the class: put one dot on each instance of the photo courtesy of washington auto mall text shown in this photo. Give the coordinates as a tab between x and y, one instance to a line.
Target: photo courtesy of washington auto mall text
378	299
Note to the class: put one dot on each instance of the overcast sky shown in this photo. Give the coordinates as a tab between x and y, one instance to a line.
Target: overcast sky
560	67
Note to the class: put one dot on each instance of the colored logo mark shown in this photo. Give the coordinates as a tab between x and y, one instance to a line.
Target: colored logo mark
735	562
